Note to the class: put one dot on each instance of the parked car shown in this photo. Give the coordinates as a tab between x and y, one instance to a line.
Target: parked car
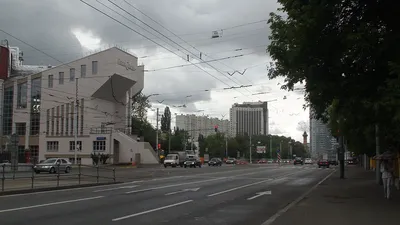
323	163
240	162
231	161
53	165
215	162
308	161
298	160
262	161
192	162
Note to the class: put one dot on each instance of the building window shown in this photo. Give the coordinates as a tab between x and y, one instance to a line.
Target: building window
99	146
50	81
58	121
62	120
94	67
22	92
72	74
82	111
47	122
72	118
66	119
61	78
52	146
83	70
52	122
8	110
72	146
35	106
21	128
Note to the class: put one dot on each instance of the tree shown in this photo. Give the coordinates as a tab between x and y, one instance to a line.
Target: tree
140	105
166	120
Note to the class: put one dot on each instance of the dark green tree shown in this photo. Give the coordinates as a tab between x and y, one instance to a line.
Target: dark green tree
166	120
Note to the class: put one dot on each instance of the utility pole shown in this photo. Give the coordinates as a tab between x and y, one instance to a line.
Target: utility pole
191	133
250	149
280	150
76	122
341	156
377	152
270	146
158	150
169	141
226	146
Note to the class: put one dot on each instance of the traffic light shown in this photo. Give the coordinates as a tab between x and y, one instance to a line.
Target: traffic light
216	128
159	146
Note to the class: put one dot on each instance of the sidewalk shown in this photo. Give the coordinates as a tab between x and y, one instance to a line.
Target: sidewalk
355	200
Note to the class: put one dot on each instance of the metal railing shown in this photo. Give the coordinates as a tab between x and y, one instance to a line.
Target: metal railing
25	177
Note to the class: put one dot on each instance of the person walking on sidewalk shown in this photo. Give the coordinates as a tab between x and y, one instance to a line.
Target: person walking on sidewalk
387	177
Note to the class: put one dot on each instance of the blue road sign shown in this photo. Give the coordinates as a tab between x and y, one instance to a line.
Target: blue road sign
278	150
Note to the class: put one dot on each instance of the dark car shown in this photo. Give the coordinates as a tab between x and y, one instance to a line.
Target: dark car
192	162
262	161
323	163
215	162
230	161
298	160
333	162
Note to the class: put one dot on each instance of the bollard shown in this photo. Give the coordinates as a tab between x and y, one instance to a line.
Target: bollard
58	175
97	167
79	173
33	176
115	180
3	178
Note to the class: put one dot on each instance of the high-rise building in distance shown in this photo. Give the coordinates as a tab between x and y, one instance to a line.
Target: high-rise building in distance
321	139
249	118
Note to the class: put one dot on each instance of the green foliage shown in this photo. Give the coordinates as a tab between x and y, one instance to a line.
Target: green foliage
140	106
166	120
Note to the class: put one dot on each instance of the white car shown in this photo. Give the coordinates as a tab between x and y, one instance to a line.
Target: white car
308	161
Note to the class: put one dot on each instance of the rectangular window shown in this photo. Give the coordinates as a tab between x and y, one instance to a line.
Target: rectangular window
72	146
82	111
22	92
94	67
72	118
48	122
35	106
8	110
62	120
99	146
72	74
83	70
58	121
50	81
52	146
67	119
52	122
21	128
61	78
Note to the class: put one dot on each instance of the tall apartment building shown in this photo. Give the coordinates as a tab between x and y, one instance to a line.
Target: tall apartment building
40	106
321	139
204	125
249	118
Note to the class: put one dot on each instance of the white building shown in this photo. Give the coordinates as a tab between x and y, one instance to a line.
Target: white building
249	118
204	125
42	109
321	140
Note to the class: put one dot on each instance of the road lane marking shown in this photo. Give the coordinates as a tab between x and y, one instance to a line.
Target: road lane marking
259	194
116	188
151	210
285	209
184	190
50	204
237	188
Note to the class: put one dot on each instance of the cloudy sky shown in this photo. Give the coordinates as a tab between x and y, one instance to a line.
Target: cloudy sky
175	30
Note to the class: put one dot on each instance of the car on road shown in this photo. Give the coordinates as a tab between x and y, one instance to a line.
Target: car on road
308	161
192	162
231	161
53	165
262	161
215	162
298	160
333	162
323	163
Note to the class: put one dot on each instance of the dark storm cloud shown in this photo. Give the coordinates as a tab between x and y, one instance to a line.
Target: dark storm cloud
48	25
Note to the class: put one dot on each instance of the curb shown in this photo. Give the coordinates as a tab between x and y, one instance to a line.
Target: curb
25	191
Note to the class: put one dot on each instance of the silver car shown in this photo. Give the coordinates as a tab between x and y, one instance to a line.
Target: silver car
52	165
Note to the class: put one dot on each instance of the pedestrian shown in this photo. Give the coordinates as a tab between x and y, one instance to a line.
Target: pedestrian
396	171
386	169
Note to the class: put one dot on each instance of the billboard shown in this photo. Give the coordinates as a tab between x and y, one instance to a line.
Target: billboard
261	149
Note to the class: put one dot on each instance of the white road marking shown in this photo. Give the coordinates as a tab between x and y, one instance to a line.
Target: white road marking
282	211
49	204
184	190
151	210
237	188
259	194
116	188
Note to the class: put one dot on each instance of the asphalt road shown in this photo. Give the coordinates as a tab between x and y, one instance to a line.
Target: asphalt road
209	195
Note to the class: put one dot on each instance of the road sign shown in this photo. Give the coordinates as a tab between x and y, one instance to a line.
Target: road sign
260	194
261	149
277	151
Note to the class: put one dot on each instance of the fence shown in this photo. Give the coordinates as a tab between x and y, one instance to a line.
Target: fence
24	176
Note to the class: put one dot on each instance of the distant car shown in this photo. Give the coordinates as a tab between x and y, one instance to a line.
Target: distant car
298	160
333	162
323	163
192	162
231	161
270	161
262	161
308	161
215	162
53	165
240	162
